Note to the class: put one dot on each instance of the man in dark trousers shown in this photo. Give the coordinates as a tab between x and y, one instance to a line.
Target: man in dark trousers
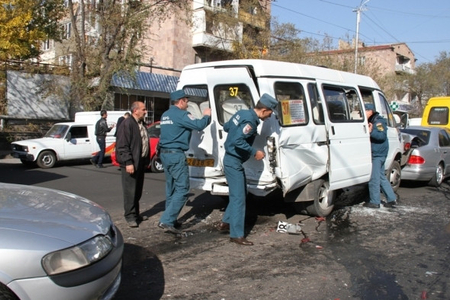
101	129
176	127
133	155
380	147
241	129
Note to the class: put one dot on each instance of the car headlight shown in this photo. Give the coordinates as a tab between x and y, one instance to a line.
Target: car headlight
78	256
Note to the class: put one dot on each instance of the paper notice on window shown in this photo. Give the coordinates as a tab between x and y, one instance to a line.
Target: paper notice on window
293	112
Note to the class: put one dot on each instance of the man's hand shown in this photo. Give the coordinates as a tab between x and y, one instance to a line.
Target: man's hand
259	155
207	112
370	127
130	169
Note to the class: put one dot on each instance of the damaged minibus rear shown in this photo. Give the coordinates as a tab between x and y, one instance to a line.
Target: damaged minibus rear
318	142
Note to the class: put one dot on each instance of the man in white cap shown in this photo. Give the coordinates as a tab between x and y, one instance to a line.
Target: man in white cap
241	130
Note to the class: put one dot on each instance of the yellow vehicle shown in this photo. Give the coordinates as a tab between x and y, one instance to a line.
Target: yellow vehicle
436	112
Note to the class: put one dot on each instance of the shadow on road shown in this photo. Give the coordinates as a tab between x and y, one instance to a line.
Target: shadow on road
19	174
142	274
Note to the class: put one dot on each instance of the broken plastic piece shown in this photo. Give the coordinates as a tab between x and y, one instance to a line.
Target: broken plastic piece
284	227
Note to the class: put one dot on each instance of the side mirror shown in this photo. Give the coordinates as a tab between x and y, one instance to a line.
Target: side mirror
68	136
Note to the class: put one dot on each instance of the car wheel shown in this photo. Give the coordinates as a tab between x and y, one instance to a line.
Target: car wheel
323	204
394	175
46	159
7	294
438	176
156	165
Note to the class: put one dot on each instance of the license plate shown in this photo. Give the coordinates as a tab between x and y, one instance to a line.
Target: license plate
194	162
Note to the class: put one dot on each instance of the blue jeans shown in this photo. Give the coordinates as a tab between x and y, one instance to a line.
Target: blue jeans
98	158
177	185
237	187
378	182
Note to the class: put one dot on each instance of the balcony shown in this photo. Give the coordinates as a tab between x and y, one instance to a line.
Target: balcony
403	68
204	34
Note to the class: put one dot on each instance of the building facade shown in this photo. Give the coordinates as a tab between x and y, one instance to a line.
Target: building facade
181	39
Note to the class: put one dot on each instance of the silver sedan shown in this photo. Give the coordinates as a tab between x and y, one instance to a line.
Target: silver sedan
429	158
56	245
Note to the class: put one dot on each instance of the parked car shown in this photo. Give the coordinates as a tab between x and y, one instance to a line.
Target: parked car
56	245
429	157
154	131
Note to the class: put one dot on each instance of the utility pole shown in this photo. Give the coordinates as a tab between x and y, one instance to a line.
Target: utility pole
358	19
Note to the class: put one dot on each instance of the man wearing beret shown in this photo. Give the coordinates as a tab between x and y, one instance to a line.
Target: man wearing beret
380	147
241	129
176	127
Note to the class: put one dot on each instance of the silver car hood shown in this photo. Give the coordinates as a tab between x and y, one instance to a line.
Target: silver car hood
56	219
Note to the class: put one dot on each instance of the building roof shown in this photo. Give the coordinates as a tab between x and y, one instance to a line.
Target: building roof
365	49
145	81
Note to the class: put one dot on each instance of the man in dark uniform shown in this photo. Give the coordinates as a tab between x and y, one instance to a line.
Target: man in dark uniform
176	127
241	129
133	155
380	147
101	129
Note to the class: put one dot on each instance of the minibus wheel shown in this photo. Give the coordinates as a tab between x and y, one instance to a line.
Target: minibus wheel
323	202
394	175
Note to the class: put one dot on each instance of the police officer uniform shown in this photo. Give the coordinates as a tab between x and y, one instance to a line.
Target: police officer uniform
176	127
380	148
241	129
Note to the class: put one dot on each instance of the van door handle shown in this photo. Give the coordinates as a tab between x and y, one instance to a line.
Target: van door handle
87	140
332	130
220	134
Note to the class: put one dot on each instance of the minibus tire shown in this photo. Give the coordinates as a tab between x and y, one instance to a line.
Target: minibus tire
394	175
323	203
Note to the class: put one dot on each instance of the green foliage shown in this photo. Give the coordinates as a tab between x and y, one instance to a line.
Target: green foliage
25	24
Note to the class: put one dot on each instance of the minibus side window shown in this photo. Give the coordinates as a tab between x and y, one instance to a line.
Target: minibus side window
198	100
293	104
438	116
231	98
343	104
316	104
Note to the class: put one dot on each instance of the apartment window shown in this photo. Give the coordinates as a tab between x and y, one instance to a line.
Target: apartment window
46	45
66	31
362	60
65	60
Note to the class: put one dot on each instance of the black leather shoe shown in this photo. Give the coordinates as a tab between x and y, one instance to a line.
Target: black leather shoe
100	166
169	228
391	204
142	219
132	224
222	226
93	162
371	205
177	224
241	241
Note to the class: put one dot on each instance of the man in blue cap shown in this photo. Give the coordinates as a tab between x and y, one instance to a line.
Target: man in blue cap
380	147
241	130
176	127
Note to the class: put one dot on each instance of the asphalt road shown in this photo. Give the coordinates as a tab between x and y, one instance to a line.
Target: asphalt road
355	253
